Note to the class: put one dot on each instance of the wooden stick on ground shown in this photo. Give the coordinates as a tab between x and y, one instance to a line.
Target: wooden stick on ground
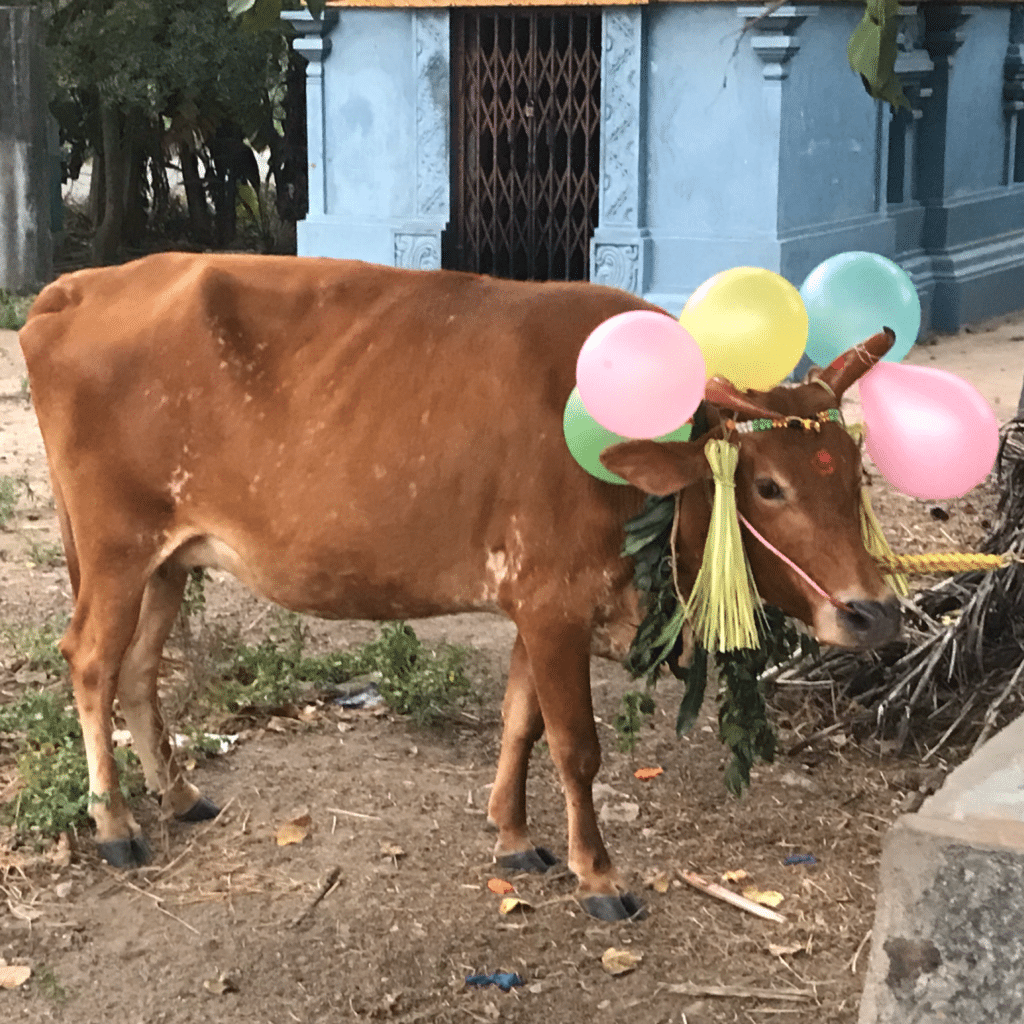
728	896
789	995
331	882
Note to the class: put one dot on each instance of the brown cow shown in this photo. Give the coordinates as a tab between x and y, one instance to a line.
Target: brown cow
351	440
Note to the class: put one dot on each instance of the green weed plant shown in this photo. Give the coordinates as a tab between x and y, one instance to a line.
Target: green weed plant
37	646
425	685
52	764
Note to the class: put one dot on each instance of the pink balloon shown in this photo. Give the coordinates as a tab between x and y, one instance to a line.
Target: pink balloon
640	374
930	433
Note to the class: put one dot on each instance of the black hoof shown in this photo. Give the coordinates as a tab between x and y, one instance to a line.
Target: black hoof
624	907
126	853
536	861
201	810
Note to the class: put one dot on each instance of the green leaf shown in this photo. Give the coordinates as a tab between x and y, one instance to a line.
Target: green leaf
872	52
249	200
696	682
262	16
316	8
737	777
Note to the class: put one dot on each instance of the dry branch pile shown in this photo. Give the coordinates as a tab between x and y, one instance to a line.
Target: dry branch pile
957	673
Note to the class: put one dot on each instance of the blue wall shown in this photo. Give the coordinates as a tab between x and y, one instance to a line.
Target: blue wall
758	149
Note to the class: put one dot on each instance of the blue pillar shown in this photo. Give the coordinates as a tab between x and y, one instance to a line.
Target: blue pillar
620	246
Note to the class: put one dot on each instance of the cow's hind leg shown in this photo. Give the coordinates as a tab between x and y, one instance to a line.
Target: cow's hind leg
506	810
559	656
102	626
139	699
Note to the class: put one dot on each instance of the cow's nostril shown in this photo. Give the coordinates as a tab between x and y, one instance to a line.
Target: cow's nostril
872	622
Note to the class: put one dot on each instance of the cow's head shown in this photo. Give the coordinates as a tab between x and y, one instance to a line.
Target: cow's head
799	488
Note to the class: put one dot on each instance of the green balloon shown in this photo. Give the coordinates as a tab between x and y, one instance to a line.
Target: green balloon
586	438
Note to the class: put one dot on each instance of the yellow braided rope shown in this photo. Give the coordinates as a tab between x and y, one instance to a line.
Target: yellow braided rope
944	561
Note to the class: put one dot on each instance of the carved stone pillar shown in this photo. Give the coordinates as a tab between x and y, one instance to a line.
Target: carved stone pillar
944	35
914	68
619	249
314	43
418	242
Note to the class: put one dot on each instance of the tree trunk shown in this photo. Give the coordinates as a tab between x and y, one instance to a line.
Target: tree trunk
199	223
97	192
1020	403
135	219
107	239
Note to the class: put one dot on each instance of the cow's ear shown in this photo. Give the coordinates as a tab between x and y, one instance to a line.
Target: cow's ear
658	467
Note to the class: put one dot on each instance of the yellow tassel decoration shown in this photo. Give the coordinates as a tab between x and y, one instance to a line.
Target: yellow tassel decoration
878	547
722	605
871	530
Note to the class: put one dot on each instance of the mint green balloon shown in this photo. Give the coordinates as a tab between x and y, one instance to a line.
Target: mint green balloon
854	295
586	438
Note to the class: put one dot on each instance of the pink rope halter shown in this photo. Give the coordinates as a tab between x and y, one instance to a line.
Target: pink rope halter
835	602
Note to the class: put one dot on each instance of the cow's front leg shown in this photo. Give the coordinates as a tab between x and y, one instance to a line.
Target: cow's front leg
559	655
506	810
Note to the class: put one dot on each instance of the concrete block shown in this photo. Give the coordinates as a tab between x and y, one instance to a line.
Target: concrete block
948	939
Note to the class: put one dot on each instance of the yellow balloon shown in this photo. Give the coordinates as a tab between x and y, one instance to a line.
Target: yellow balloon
750	324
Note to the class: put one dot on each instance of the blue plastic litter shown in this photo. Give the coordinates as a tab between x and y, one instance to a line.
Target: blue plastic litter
801	858
503	980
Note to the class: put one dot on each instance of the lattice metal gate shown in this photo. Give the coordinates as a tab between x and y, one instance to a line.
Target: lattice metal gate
526	126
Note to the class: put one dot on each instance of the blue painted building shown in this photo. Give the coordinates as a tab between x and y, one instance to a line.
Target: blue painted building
650	145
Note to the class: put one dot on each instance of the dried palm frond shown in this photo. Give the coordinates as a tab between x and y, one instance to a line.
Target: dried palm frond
957	673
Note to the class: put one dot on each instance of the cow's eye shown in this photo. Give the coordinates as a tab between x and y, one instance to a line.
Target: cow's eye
768	489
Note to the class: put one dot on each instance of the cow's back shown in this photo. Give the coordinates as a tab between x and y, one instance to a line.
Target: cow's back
393	437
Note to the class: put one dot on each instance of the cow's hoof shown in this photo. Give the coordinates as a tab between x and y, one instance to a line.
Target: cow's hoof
201	810
126	853
624	907
536	861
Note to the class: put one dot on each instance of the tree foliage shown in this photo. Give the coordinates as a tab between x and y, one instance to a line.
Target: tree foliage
139	82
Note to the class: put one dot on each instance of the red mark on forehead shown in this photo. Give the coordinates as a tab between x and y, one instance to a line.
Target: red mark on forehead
823	462
838	363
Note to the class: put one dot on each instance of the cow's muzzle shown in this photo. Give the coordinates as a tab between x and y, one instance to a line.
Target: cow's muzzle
870	623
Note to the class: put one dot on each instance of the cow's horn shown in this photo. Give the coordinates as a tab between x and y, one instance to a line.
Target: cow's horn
855	362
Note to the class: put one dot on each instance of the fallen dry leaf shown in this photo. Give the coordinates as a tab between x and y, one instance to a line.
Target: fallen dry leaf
60	855
510	904
500	886
766	897
644	774
620	961
294	831
659	881
735	876
391	850
775	950
13	976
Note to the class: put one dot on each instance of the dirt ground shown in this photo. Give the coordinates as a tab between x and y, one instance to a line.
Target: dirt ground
214	930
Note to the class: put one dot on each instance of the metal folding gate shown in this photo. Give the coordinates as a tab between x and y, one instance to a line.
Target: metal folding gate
526	128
